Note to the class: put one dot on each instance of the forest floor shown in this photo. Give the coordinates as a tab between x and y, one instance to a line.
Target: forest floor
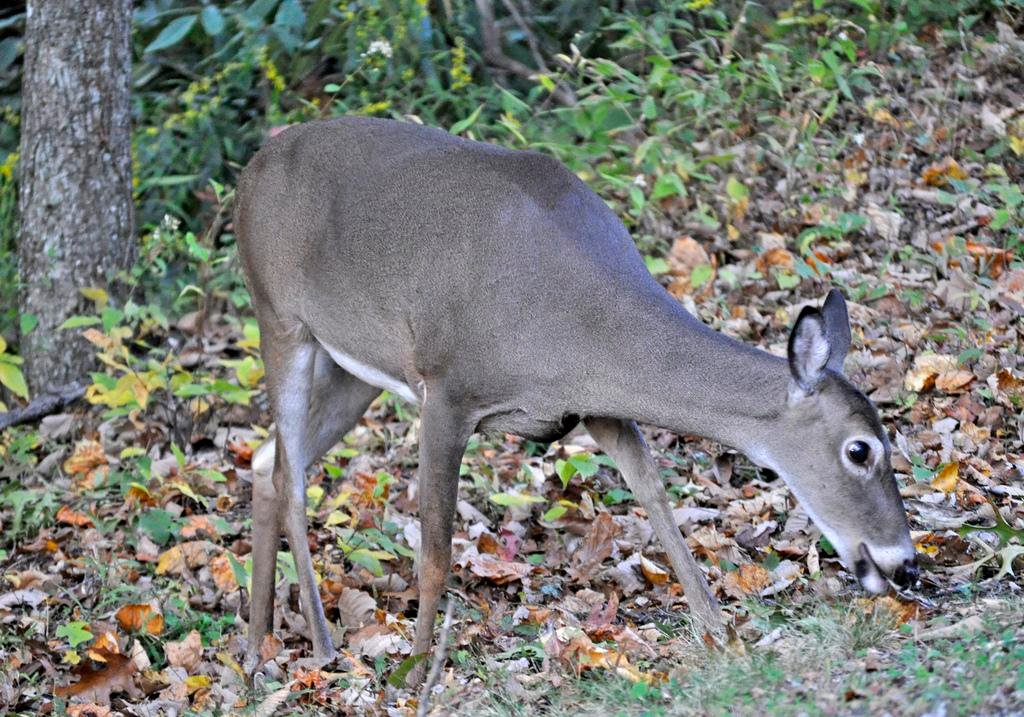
126	534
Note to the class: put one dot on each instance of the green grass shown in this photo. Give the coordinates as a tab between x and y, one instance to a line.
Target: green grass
835	660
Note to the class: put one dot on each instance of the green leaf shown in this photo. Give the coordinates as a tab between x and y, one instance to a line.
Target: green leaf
584	464
28	323
701	275
366	558
179	455
515	499
668	185
213	20
158	523
464	124
785	280
173	33
111	318
77	322
649	108
240	572
75	632
12	377
286	564
656	265
554	513
736	189
1000	219
397	678
565	471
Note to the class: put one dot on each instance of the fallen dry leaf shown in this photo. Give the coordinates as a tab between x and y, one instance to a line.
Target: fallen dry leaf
497	570
356	608
685	256
185	653
926	369
596	547
573	647
747	579
96	685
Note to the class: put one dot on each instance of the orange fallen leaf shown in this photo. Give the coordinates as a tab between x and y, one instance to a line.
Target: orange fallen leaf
223	573
747	579
947	478
196	524
655	574
902	611
191	554
938	174
242	451
86	456
72	517
138	617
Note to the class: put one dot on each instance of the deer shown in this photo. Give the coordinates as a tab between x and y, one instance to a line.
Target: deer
495	290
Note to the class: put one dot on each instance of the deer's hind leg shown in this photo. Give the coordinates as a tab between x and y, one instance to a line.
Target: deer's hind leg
331	400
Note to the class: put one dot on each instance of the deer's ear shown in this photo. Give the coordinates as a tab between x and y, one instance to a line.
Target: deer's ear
809	350
837	329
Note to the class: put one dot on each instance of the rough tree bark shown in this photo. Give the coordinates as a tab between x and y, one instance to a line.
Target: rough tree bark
75	196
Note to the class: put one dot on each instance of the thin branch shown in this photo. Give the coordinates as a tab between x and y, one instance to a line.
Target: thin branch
493	54
440	653
44	405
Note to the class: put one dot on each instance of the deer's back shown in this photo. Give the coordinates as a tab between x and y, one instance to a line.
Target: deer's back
396	242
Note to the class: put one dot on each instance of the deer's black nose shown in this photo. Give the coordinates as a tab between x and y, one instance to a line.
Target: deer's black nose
907	574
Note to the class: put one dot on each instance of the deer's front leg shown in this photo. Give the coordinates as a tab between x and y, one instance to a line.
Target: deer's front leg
443	436
623	442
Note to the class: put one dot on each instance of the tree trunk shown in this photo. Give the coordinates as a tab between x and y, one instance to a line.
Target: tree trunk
75	196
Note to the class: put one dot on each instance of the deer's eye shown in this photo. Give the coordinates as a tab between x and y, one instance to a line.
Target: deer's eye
858	452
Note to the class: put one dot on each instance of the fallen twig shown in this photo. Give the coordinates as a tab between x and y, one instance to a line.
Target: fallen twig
44	405
438	663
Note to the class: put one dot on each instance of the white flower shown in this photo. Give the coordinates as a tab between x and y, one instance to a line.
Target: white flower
640	181
379	47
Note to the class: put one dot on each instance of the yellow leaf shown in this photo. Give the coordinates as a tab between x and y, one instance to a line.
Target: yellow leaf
197	682
71	657
1017	145
3	345
97	295
947	478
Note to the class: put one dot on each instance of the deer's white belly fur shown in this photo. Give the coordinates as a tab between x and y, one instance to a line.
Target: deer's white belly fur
369	374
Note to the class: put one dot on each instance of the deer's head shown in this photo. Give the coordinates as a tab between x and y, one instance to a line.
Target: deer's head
831	449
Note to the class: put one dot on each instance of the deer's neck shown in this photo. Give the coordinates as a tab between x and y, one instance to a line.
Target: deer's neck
675	372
